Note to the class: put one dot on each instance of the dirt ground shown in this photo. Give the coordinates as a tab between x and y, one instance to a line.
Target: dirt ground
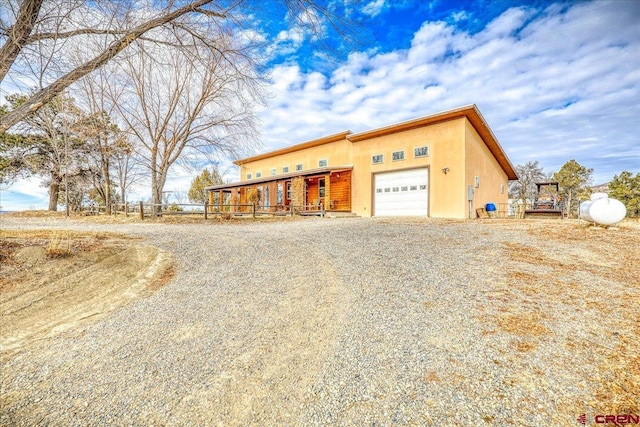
562	273
52	281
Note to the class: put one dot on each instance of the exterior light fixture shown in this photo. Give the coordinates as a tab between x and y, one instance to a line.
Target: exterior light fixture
445	170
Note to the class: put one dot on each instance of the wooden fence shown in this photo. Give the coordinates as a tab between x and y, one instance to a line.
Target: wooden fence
150	210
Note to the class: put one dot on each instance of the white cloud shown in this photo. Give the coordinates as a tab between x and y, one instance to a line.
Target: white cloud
374	8
24	194
557	86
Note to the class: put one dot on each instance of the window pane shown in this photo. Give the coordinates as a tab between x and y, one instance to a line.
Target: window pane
397	155
378	158
421	151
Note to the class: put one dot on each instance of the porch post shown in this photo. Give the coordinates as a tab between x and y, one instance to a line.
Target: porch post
327	192
297	192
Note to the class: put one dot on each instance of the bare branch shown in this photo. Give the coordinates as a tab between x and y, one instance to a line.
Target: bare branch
18	34
63	35
43	96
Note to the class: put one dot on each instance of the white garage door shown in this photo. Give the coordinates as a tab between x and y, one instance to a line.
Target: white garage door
401	193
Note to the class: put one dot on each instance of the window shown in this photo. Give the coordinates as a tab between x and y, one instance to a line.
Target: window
321	188
258	174
377	159
423	187
299	167
289	194
248	176
421	151
404	188
397	155
265	201
396	189
378	190
272	171
477	180
387	190
413	188
322	163
285	169
280	194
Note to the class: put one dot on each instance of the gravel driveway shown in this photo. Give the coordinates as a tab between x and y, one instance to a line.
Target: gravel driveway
341	322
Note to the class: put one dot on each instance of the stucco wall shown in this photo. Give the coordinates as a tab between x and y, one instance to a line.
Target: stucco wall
481	163
446	149
453	144
336	153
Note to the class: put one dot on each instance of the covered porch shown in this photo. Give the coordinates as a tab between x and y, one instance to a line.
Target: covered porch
318	191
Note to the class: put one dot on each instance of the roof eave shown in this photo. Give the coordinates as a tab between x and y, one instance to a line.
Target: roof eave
261	180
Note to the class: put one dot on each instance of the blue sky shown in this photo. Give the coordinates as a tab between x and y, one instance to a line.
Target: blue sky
554	80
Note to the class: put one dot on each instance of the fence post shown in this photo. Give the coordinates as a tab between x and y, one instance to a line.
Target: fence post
141	210
206	206
126	209
253	210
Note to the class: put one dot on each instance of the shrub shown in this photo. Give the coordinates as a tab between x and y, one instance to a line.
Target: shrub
59	248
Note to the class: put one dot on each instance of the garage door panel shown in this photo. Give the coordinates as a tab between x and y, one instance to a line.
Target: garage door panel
401	193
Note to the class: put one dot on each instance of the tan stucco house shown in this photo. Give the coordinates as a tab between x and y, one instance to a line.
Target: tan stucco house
444	166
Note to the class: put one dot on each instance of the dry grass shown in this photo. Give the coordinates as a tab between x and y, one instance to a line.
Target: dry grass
524	324
569	267
59	247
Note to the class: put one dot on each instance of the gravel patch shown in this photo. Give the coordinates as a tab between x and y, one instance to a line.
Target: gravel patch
349	322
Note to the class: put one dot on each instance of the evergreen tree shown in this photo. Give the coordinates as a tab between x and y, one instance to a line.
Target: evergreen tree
626	188
197	193
573	179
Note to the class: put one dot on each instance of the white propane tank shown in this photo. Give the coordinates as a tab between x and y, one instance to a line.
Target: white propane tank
584	210
602	210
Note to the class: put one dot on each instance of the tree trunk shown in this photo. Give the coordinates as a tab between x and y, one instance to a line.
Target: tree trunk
18	34
54	192
107	184
158	179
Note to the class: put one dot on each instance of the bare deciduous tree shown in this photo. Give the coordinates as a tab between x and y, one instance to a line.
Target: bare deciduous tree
177	109
44	32
524	189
